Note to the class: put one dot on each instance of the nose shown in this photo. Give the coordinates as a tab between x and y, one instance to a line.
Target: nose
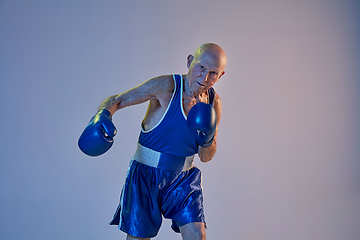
205	75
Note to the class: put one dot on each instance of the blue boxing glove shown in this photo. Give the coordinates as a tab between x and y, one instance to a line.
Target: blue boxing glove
202	117
98	135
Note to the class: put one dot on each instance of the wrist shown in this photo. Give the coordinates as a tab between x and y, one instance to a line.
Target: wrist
110	109
105	112
205	141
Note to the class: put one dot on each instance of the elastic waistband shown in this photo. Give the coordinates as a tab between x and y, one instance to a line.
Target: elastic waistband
164	161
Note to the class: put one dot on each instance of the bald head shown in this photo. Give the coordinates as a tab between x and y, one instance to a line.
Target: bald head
212	50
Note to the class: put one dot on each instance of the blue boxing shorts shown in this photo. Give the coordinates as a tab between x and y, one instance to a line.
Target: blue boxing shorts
153	189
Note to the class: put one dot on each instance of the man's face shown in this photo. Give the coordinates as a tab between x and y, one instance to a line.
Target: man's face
204	71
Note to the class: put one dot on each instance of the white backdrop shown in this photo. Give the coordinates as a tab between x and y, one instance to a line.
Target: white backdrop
287	165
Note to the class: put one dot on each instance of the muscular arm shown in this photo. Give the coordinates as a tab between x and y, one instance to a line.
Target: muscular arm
155	89
206	154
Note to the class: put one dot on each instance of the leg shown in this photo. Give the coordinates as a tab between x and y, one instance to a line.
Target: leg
193	231
129	237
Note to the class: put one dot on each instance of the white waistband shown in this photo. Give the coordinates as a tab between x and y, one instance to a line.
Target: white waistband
165	161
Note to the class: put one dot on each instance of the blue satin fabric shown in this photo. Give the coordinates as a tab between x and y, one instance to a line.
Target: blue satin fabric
150	193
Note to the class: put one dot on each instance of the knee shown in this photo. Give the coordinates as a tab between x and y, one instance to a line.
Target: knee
200	234
193	231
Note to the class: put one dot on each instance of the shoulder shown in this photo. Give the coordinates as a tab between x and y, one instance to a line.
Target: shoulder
217	100
162	84
218	105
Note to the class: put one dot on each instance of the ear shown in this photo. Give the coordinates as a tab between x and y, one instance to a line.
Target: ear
190	58
223	72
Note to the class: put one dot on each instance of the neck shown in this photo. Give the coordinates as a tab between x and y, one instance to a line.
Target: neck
187	89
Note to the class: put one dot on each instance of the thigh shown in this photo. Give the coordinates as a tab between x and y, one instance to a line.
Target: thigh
183	201
194	230
138	213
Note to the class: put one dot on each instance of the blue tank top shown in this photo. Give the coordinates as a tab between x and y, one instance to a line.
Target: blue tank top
171	135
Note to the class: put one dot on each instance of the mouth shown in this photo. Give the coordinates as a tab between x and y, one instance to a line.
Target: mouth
200	84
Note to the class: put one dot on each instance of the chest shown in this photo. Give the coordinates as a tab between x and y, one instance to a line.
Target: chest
188	102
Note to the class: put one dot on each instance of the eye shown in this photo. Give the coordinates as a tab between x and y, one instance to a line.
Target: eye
214	74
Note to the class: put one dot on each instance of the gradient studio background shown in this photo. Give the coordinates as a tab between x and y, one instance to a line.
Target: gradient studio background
287	165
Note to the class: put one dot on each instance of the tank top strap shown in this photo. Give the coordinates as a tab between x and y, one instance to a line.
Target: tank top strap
177	78
174	104
211	96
